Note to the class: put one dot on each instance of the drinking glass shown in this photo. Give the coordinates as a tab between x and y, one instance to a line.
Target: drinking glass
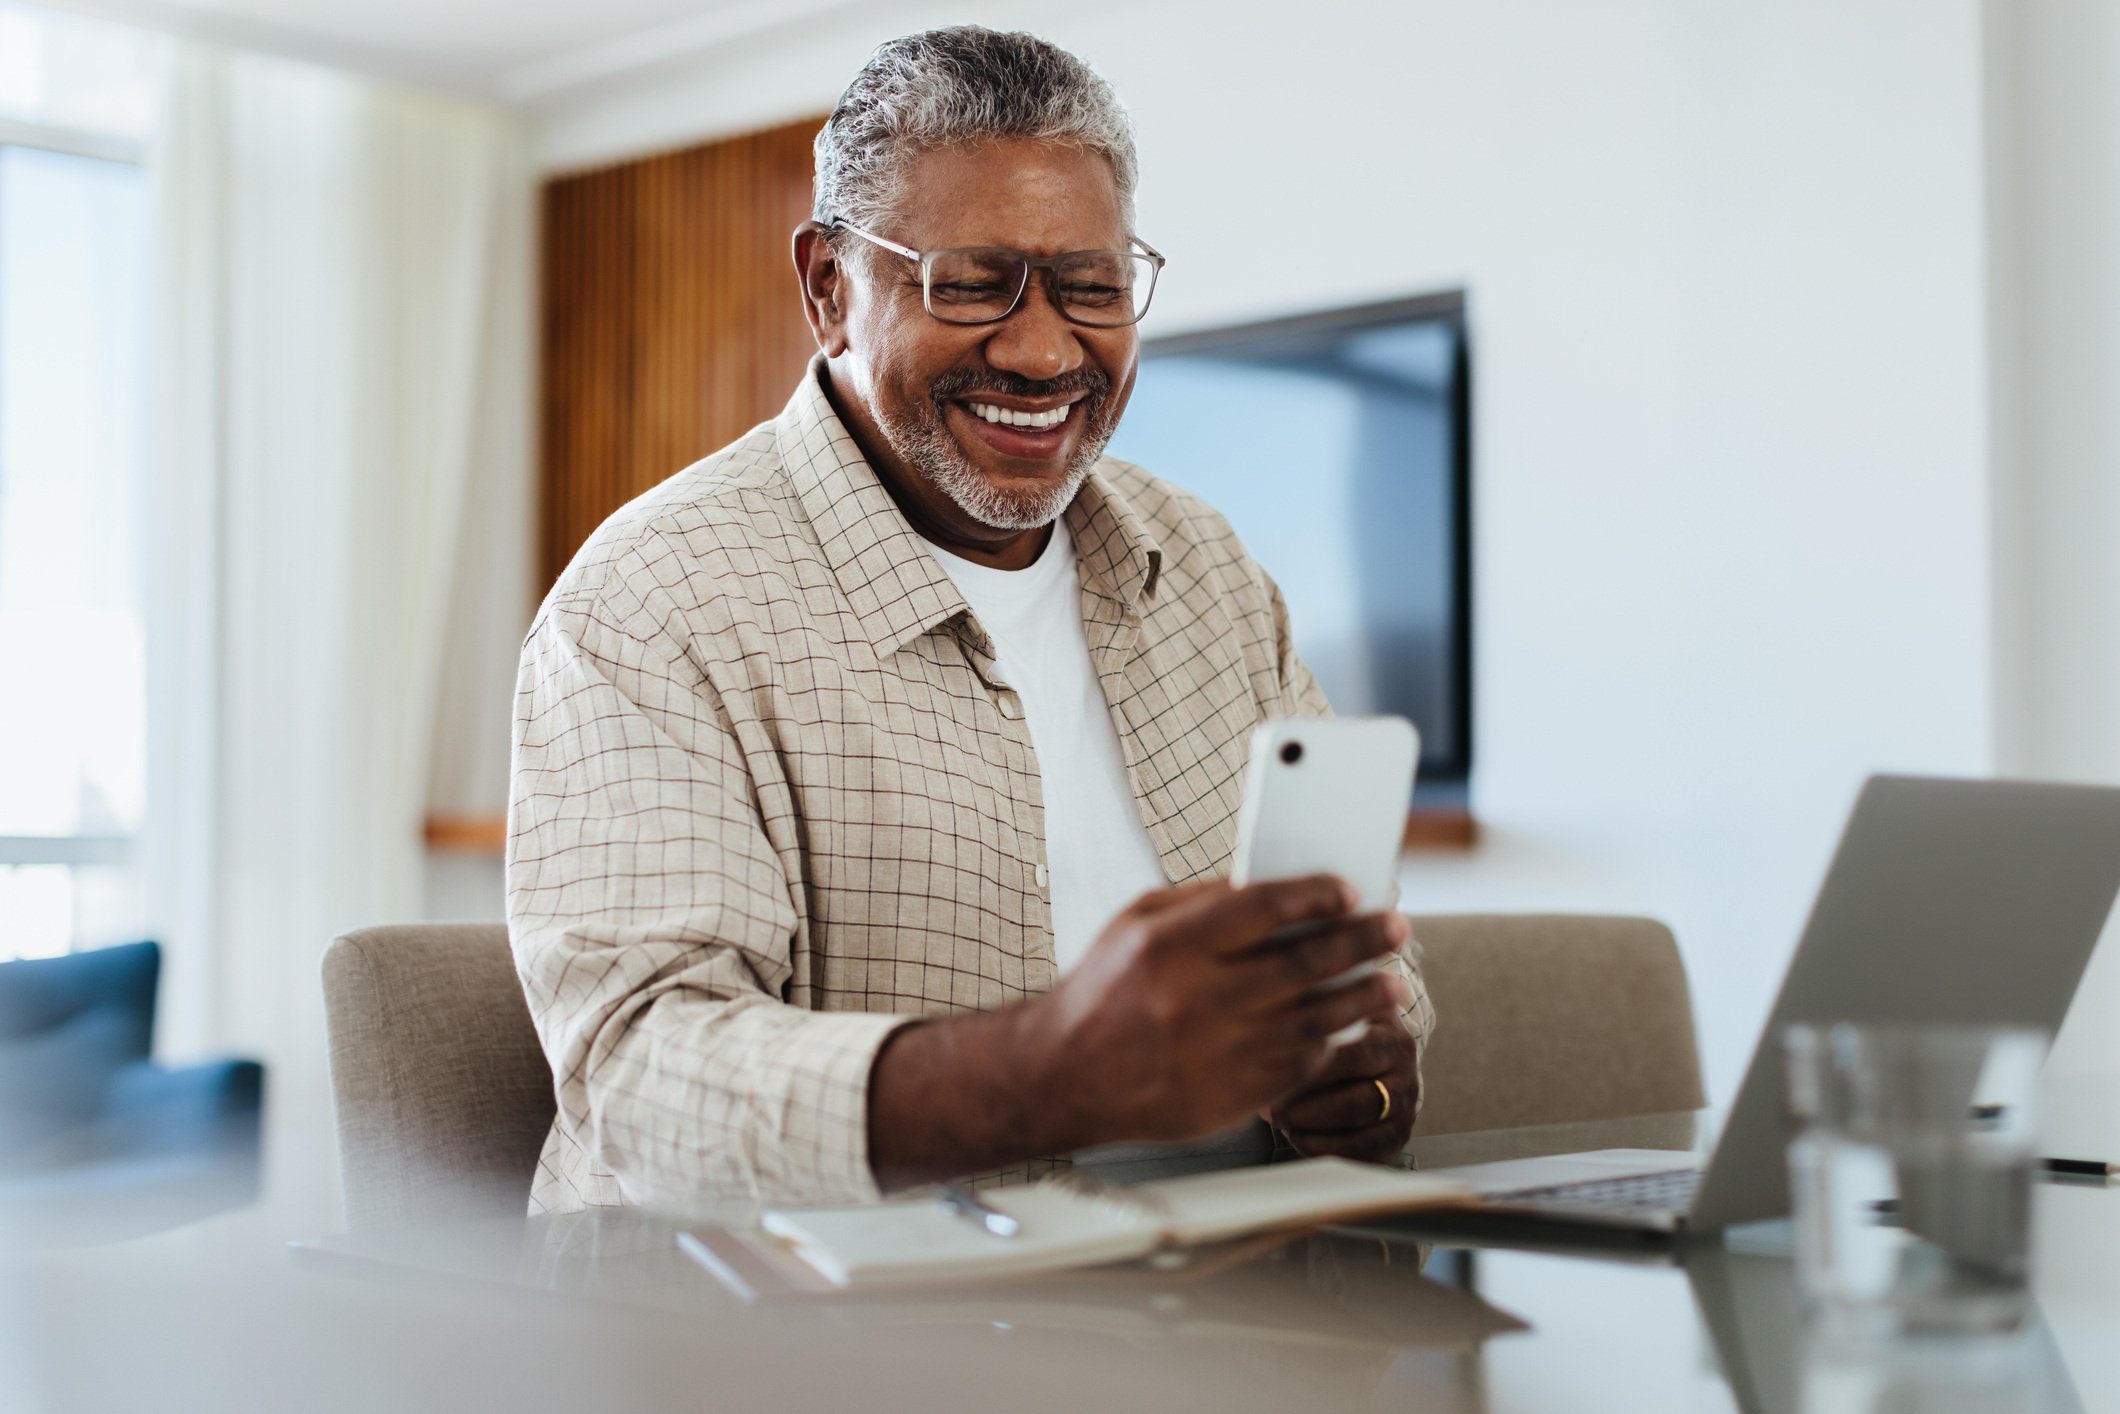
1910	1173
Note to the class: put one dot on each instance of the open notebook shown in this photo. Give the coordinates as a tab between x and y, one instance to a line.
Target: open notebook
1067	1224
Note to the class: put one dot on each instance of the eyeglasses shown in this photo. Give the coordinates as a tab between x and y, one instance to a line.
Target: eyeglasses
1101	289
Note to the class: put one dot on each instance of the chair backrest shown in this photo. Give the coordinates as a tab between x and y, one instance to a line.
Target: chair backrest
1546	1019
69	1026
45	994
443	1093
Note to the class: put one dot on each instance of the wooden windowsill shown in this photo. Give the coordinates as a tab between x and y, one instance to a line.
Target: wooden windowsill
1439	827
1426	829
467	834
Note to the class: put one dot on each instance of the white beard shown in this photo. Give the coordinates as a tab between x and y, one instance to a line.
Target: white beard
927	445
999	504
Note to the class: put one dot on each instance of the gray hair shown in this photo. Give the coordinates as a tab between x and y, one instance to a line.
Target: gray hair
964	84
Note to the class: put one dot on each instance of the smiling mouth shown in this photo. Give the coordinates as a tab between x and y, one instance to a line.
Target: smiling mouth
1018	417
1035	440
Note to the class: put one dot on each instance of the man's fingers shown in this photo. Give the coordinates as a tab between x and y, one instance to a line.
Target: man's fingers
1290	967
1337	1108
1225	919
1341	1093
1386	1048
1311	1021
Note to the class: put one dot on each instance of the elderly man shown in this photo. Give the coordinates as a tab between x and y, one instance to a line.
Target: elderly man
876	778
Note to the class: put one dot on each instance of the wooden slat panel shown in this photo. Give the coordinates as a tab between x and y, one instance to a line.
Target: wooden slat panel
670	322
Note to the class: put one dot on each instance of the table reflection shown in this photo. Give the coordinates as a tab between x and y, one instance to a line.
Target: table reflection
1776	1364
1329	1318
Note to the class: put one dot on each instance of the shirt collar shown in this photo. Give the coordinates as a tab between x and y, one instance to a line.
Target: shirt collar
895	587
1119	556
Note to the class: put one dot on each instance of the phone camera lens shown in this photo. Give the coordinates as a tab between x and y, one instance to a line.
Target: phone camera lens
1292	752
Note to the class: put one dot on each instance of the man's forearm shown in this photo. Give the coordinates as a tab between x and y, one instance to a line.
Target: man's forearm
964	1093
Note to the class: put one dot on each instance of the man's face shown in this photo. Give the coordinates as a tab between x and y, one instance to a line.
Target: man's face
933	390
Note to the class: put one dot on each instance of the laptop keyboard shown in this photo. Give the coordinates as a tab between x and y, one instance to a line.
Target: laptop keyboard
1669	1191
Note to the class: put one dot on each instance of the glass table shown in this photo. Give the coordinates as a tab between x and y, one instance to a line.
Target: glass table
603	1312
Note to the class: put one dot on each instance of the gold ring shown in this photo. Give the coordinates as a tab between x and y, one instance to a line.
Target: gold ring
1385	1091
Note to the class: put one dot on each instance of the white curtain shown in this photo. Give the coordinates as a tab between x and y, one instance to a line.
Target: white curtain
337	259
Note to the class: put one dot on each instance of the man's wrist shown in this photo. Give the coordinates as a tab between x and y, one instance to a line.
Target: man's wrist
959	1094
1055	1108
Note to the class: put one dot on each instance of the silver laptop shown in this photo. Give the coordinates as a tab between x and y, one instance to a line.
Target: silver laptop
1948	901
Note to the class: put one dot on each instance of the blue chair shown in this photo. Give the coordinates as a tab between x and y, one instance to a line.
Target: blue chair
96	1139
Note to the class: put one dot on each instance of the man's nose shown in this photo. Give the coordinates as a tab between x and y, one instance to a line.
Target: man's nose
1036	341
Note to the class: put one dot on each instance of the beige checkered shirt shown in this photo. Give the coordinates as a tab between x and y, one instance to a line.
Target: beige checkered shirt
771	799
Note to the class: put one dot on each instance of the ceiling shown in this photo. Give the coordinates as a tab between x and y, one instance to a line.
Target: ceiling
524	51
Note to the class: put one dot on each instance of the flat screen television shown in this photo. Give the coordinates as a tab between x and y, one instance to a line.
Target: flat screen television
1338	445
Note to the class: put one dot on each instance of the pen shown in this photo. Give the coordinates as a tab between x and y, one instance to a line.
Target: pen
2089	1168
966	1204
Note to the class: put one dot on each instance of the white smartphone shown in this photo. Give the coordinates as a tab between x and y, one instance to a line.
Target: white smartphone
1328	796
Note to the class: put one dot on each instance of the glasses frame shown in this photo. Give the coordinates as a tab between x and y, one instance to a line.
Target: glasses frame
926	259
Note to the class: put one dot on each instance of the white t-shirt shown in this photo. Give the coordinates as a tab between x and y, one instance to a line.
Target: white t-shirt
1097	852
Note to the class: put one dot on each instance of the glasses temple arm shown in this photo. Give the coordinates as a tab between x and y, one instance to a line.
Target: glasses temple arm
872	238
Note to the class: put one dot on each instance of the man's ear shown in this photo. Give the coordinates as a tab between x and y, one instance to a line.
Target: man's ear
823	279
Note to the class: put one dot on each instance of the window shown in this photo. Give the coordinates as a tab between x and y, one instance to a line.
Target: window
73	316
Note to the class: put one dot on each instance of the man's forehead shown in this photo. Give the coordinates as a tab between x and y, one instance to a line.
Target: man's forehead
1034	196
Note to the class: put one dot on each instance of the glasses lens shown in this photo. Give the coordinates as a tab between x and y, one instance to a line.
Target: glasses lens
974	286
1105	287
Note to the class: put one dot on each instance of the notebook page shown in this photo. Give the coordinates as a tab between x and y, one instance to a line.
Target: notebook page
1212	1206
918	1240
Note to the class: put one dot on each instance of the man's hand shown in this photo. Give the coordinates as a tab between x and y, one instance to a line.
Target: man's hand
1200	1004
1197	1008
1340	1110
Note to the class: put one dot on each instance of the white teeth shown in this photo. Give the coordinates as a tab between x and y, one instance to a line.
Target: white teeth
1009	416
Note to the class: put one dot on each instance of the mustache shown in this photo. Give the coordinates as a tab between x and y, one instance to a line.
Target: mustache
963	383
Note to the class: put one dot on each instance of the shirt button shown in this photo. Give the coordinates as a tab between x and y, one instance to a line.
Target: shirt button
1009	709
1041	875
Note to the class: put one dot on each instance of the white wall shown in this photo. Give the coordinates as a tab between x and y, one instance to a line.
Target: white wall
1725	267
2054	178
1729	440
492	595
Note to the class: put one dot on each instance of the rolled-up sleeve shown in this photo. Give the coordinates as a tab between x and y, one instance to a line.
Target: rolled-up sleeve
653	926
